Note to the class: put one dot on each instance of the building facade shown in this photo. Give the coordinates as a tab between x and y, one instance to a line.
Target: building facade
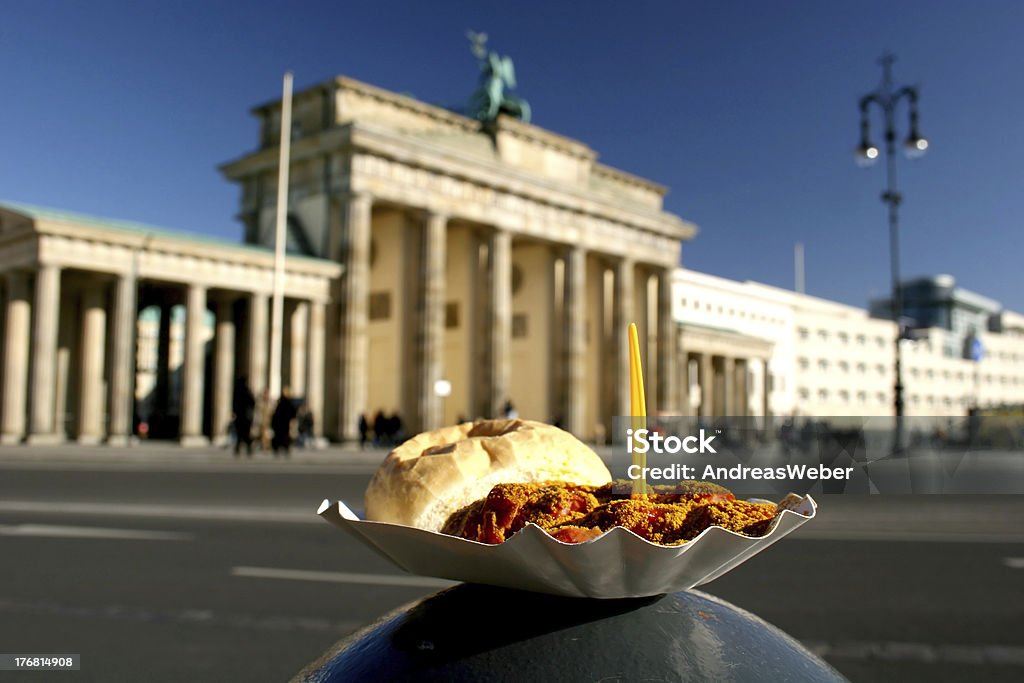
501	258
829	359
79	296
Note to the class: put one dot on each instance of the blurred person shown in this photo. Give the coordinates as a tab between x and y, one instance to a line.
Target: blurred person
364	430
281	423
509	410
243	405
395	429
380	428
304	422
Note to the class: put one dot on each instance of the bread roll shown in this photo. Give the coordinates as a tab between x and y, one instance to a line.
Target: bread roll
432	475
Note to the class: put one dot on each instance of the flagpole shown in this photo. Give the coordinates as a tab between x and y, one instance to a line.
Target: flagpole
277	303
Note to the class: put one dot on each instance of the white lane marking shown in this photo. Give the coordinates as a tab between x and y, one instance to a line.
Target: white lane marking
905	536
340	577
53	531
183	511
921	653
1014	562
276	468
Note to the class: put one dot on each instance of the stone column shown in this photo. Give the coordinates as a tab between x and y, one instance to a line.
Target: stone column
668	348
706	377
223	369
622	316
729	386
299	326
192	370
122	369
766	396
430	336
44	355
91	395
258	302
499	358
16	345
315	366
355	296
742	388
574	365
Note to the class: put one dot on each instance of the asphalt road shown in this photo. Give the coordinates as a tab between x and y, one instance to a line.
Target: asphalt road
221	571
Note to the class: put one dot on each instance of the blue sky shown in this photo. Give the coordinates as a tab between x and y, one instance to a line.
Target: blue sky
746	110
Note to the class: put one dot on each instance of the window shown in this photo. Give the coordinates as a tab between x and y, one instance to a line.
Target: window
862	397
822	364
861	368
880	368
844	366
803	332
451	315
881	398
844	396
519	325
861	340
380	305
823	335
822	394
804	363
880	341
804	393
844	338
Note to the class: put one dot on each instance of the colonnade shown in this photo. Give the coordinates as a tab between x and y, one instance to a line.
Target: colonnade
634	297
70	339
720	385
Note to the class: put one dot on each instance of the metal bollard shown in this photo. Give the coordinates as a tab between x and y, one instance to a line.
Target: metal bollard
481	633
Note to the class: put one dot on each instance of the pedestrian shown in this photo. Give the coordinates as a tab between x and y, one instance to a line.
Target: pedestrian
305	426
380	429
395	429
364	430
509	410
243	404
281	423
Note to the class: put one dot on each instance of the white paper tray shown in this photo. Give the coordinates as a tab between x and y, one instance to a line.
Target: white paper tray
617	564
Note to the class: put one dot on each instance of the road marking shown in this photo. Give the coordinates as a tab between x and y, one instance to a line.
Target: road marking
52	531
186	615
183	511
904	536
340	577
1014	562
276	468
921	653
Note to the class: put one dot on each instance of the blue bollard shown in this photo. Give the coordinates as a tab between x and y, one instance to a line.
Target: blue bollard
481	633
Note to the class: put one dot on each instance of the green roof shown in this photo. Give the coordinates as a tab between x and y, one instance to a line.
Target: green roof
46	213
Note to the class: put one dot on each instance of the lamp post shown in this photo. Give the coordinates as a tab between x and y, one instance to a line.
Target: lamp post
887	97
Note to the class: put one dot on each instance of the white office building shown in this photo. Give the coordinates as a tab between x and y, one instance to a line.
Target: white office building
829	359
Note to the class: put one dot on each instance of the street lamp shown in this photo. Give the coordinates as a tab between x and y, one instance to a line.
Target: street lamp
887	96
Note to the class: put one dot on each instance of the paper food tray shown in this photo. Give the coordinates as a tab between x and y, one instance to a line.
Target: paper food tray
617	564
